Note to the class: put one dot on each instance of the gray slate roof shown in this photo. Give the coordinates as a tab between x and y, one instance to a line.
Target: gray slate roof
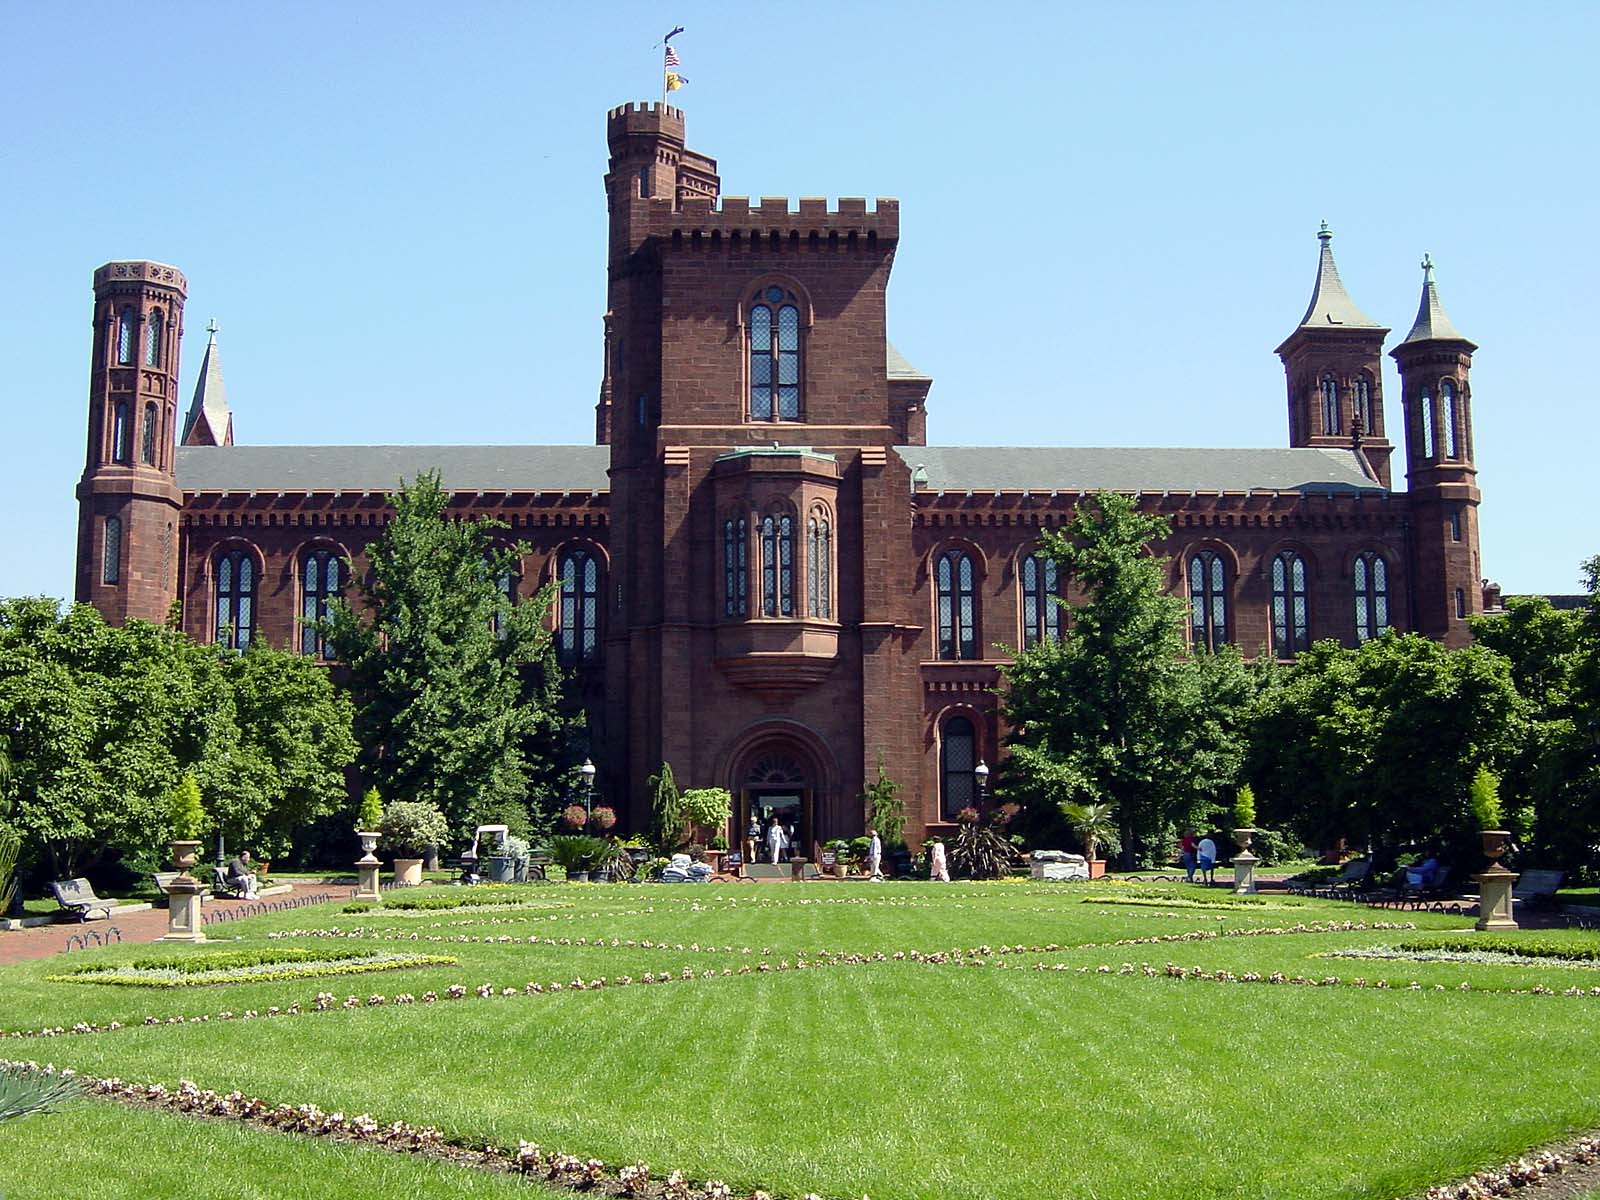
382	468
898	367
1432	323
1331	306
1181	470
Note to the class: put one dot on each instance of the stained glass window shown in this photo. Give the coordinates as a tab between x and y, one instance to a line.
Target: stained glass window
236	599
1425	417
320	582
1447	416
125	330
1330	404
1365	420
777	565
1041	615
121	433
953	576
1291	630
819	564
147	448
152	340
579	635
1371	574
775	374
1208	600
111	564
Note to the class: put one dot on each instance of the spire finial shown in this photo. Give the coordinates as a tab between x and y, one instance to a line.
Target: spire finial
1325	234
1427	267
211	328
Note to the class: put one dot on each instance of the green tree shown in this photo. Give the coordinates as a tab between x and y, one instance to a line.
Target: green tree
444	669
1379	743
886	812
1116	711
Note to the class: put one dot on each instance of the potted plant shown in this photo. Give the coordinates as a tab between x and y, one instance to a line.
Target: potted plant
517	850
1244	816
602	818
708	810
840	849
1094	824
369	816
495	863
574	816
188	818
1485	799
408	827
574	853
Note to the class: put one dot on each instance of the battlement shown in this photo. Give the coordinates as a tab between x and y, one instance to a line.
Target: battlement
649	118
141	271
771	217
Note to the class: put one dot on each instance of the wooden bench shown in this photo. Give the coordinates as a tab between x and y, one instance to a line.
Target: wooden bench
78	898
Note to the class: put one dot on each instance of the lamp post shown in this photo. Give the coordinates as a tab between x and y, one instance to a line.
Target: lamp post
981	774
588	772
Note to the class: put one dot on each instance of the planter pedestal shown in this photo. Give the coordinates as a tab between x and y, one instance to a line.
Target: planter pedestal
408	871
1244	874
1494	898
183	915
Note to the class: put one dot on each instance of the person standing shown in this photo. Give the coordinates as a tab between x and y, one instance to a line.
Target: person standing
1187	848
938	868
777	841
1206	859
874	856
752	839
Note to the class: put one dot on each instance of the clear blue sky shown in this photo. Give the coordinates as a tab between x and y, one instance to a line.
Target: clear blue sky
394	212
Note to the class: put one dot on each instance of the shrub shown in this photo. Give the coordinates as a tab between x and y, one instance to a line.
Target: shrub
708	807
184	811
980	852
886	812
1485	798
1271	846
576	852
410	826
1521	947
370	815
1244	808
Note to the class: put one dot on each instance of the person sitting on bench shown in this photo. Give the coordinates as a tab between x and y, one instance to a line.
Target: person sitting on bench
241	877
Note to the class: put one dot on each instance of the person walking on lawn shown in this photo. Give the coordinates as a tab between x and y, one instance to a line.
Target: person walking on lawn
1206	859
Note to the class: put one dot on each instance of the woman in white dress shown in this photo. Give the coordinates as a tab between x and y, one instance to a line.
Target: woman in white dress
777	840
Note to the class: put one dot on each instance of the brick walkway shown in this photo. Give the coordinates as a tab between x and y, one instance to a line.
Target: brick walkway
42	941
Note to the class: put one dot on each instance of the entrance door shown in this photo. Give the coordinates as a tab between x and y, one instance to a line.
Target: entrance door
792	809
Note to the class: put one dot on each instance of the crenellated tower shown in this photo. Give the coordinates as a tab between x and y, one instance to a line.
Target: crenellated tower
1435	362
1332	366
128	497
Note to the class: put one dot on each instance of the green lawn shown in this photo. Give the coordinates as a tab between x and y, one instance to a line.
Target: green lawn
889	1078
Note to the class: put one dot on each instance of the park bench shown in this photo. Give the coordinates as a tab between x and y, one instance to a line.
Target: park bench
77	897
1537	889
223	885
1348	882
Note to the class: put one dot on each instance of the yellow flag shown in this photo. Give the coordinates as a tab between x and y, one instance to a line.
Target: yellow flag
675	81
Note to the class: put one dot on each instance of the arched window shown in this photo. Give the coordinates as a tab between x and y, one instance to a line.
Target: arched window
1461	605
579	638
1291	631
1362	402
773	322
777	565
1372	595
121	433
953	576
819	564
735	568
1425	416
236	599
1330	404
320	582
125	334
958	761
152	339
111	564
1447	416
506	585
1041	615
147	442
1208	600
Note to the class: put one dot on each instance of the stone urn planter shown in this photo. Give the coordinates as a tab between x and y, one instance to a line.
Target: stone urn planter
408	872
1243	837
1495	909
369	843
1494	845
184	855
1244	864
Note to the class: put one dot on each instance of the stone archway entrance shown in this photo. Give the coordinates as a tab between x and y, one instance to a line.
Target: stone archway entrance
774	782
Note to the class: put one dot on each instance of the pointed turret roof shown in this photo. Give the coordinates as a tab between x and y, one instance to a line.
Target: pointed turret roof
1331	306
1433	324
210	420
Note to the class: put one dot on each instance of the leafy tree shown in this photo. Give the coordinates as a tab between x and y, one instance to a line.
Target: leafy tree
444	669
669	823
886	812
1115	711
1379	743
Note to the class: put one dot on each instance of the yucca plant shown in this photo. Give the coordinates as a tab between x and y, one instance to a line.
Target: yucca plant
981	852
1093	823
24	1091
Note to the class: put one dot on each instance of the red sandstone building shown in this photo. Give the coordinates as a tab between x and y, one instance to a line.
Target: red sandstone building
768	577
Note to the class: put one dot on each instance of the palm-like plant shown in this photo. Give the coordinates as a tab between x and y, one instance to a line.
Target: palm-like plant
1093	823
981	852
24	1091
575	852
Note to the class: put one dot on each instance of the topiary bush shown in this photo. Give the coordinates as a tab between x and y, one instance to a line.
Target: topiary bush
184	810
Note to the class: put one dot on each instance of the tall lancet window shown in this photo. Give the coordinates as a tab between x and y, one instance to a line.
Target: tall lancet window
957	601
1372	595
578	640
819	564
236	599
152	339
1291	631
320	573
1041	615
1362	393
1447	416
1425	417
111	563
777	565
773	324
1330	404
125	333
1208	601
147	441
735	568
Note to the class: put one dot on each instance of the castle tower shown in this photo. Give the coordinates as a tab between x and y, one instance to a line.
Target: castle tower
1435	361
128	498
210	420
1332	367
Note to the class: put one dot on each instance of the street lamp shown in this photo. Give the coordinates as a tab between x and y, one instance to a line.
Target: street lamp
587	771
981	774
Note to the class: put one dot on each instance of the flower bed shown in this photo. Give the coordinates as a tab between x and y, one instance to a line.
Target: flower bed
245	966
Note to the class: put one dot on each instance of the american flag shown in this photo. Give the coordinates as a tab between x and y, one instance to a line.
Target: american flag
672	57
